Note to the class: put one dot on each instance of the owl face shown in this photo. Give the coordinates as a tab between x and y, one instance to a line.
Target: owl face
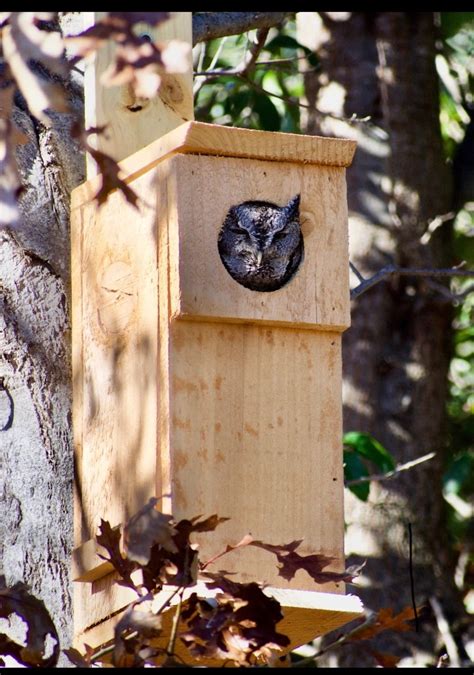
261	244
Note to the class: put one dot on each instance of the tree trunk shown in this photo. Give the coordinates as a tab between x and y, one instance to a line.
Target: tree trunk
35	382
397	351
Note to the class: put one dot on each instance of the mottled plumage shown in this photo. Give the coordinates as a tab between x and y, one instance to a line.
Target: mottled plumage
261	244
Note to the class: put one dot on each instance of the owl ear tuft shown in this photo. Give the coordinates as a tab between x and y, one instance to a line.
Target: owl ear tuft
292	208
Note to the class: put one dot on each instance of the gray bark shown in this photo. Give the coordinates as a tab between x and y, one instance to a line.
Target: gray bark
36	471
210	25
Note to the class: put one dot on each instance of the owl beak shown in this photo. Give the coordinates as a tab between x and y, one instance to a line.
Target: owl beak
259	257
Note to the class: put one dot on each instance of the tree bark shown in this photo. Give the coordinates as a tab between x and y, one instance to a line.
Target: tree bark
35	382
211	25
397	351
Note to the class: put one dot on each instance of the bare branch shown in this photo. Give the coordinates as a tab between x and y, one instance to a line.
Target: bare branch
390	474
293	101
254	50
390	270
445	632
210	25
452	297
356	271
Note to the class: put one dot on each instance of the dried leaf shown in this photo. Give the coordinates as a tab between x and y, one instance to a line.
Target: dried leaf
36	43
385	620
291	561
135	650
39	94
18	600
109	538
240	626
137	61
175	56
151	18
385	659
76	658
147	528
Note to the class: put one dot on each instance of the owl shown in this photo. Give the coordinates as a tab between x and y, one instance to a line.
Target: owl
261	244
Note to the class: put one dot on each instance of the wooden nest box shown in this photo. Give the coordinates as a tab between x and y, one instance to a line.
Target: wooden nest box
188	384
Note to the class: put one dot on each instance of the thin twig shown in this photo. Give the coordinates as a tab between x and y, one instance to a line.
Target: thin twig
174	627
412	580
390	270
242	69
453	297
443	627
356	271
349	120
234	72
390	474
198	83
168	601
252	54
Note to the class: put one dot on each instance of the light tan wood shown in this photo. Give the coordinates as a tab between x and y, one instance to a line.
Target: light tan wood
190	387
211	139
200	286
254	417
134	123
306	615
115	383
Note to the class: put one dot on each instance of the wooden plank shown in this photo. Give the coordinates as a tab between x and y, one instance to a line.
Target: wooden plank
134	123
211	139
255	429
115	359
200	286
306	615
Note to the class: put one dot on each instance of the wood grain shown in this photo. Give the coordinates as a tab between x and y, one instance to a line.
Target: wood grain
212	139
255	432
189	386
200	286
134	123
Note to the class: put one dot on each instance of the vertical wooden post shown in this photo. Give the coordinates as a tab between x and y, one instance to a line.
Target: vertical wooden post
134	123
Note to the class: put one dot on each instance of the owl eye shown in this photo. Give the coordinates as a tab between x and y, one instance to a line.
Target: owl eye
280	234
239	230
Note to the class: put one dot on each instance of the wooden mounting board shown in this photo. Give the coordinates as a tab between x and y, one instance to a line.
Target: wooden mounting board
306	616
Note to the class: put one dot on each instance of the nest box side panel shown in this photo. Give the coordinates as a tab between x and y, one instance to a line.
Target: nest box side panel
115	363
200	286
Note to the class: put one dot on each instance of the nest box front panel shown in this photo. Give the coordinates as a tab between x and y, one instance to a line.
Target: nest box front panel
255	430
205	189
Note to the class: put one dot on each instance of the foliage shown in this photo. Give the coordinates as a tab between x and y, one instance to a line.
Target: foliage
264	97
456	70
233	622
361	450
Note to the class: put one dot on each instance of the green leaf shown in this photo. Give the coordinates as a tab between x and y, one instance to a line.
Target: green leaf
354	469
267	112
284	42
452	22
367	446
460	474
